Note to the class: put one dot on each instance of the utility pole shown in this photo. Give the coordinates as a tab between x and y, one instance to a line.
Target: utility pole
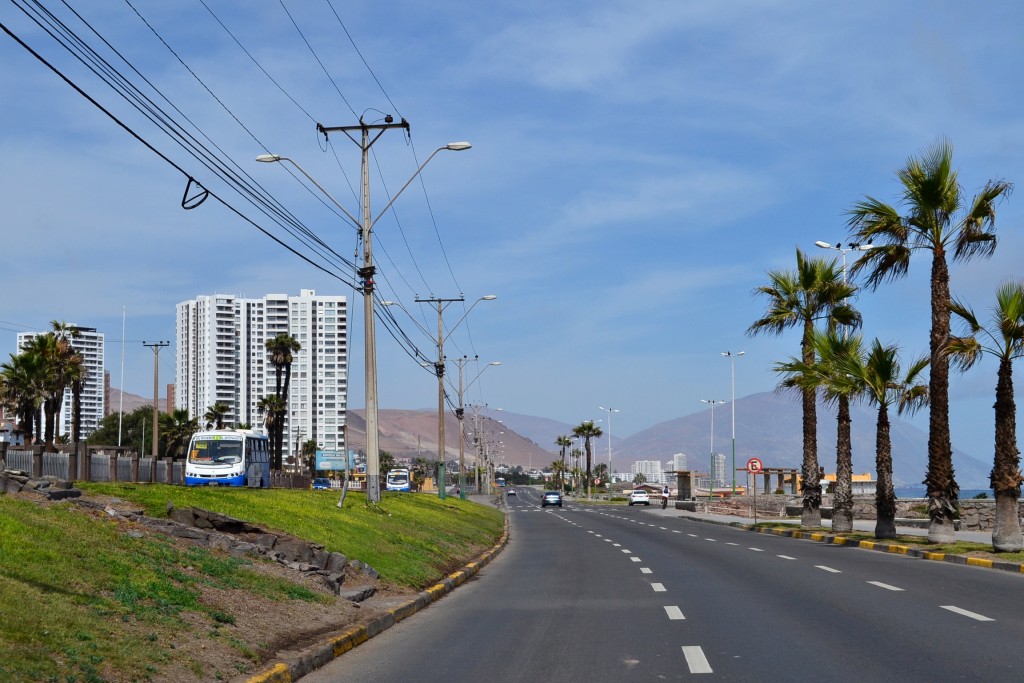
366	273
439	371
156	346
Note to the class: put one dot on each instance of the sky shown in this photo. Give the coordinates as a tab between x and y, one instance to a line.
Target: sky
636	170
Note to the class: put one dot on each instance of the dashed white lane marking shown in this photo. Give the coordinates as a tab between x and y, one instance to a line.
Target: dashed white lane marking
696	660
711	539
617	545
676	531
785	557
658	587
674	613
607	540
828	569
963	612
645	570
731	543
634	559
756	550
626	550
885	586
692	535
661	527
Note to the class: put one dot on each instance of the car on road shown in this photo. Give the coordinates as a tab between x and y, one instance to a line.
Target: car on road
321	483
511	492
551	498
639	496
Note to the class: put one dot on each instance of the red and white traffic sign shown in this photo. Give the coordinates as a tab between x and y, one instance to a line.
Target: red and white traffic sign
754	465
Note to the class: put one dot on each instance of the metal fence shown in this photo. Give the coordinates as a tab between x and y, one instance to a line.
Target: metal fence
18	460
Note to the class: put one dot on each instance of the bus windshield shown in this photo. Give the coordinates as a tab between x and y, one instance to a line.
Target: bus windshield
216	452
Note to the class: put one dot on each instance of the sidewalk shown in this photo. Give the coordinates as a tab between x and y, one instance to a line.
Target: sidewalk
860	525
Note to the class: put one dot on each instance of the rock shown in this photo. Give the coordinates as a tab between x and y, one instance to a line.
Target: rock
61	494
336	562
361	566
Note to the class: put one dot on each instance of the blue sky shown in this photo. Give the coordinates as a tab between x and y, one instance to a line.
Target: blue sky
637	167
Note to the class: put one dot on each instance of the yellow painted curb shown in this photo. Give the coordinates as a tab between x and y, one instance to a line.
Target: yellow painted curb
979	562
279	673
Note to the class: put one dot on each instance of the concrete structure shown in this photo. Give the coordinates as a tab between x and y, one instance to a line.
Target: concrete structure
90	344
221	356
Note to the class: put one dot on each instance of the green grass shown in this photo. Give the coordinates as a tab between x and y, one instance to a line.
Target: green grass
83	602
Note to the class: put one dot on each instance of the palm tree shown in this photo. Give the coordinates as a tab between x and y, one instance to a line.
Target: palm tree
282	349
563	442
587	430
21	390
936	220
815	291
885	386
837	356
177	429
215	415
1005	342
273	407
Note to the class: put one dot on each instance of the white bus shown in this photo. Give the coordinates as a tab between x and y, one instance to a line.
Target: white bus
397	479
226	457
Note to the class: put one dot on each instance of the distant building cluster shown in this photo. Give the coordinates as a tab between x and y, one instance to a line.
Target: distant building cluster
651	469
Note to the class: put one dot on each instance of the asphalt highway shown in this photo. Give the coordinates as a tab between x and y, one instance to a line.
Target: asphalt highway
613	593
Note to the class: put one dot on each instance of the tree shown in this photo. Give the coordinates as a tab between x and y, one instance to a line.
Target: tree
639	479
833	373
176	429
272	407
936	220
563	442
601	474
815	291
215	415
1004	340
21	390
587	430
281	348
885	386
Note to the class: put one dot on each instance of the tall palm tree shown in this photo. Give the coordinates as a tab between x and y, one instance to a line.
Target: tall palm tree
21	390
1004	341
832	372
215	415
273	407
815	291
563	442
177	428
885	386
587	430
282	349
936	219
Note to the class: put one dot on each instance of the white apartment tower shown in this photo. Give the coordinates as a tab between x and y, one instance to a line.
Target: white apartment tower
222	356
90	344
651	469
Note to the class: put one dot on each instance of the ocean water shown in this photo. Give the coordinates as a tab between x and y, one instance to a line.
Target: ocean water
919	492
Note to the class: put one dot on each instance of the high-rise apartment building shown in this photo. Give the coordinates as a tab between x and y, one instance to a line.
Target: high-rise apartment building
651	469
222	357
90	344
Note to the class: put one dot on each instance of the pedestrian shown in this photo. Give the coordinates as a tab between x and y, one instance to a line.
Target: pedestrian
664	497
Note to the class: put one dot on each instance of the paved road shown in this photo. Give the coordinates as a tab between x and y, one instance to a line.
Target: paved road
616	593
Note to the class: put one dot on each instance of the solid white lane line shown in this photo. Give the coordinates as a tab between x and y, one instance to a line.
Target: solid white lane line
645	570
674	613
658	587
696	660
828	569
965	613
885	586
786	557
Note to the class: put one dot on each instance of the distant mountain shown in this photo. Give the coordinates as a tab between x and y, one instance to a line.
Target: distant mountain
768	426
131	401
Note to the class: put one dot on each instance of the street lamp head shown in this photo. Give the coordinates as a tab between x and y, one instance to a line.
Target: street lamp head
457	146
864	247
269	158
824	245
495	362
488	297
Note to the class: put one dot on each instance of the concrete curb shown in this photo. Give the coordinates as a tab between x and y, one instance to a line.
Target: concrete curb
319	655
909	551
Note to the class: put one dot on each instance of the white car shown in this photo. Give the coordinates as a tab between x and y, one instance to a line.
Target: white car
638	496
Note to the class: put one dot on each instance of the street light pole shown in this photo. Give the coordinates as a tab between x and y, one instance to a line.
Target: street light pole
840	248
609	411
711	477
367	270
156	346
460	412
732	361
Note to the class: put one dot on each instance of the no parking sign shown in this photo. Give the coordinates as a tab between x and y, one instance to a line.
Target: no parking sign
754	465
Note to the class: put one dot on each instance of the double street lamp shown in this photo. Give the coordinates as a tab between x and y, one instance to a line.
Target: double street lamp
366	272
609	411
711	477
732	361
840	248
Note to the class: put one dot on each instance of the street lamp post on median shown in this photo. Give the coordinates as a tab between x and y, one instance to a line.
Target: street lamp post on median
366	272
732	361
609	411
840	248
711	477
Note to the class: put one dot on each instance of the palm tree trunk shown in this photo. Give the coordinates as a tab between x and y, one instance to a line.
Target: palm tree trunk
587	444
885	497
842	506
811	515
1005	478
943	491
